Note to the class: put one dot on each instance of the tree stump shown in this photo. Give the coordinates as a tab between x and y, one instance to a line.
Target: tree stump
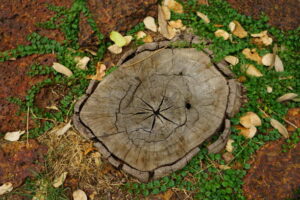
150	115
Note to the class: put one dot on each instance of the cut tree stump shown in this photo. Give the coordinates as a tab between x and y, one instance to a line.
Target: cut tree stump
150	116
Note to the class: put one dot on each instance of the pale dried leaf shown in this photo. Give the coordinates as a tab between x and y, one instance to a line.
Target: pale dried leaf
6	188
278	64
140	35
96	156
287	97
250	119
82	63
203	17
62	69
167	31
231	60
237	29
251	70
269	89
166	195
229	146
148	39
263	38
176	24
173	5
222	33
128	39
119	40
115	49
280	127
166	12
79	195
268	59
100	72
150	24
252	55
60	180
13	136
247	132
64	129
53	107
224	167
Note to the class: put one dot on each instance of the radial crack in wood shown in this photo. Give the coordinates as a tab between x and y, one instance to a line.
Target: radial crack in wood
151	114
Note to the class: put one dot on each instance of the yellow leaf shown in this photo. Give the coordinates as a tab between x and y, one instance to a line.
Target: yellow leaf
176	24
79	195
252	55
117	38
5	188
237	29
229	146
13	136
115	49
173	5
60	180
100	72
148	39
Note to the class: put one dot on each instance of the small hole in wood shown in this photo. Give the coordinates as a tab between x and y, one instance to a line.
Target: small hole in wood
180	74
188	105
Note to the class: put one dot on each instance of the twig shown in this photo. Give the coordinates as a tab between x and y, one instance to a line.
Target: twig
152	54
27	126
287	121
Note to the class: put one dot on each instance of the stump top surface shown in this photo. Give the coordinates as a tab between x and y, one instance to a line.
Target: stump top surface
157	107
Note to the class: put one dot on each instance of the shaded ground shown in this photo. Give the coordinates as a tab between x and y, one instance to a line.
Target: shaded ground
275	175
283	14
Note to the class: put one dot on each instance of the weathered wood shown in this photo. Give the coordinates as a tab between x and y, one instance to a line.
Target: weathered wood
150	115
220	143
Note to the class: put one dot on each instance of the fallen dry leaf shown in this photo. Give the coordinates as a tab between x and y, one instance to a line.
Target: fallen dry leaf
97	160
173	5
231	60
237	29
115	49
60	180
13	136
262	38
222	33
64	129
148	39
280	127
100	72
228	157
166	12
251	70
53	107
82	63
287	97
167	31
278	64
203	2
203	17
247	132
269	89
128	39
62	69
150	24
119	40
268	59
250	119
79	195
229	146
176	24
252	55
166	195
224	167
6	188
140	35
